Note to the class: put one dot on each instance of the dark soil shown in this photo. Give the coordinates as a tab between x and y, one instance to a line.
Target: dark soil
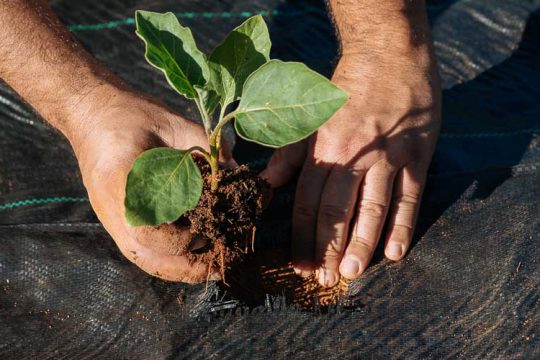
227	218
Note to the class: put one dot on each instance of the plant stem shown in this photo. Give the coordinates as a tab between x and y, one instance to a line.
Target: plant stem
212	158
221	123
214	166
215	147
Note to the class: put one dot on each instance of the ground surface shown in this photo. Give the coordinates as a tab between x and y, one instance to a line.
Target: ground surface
469	288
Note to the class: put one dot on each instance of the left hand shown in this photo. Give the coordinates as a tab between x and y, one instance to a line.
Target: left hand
366	164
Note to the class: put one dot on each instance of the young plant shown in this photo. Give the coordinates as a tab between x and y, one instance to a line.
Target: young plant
279	103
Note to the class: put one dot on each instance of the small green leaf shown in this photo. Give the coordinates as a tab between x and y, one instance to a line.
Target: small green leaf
243	51
285	102
171	48
209	99
163	184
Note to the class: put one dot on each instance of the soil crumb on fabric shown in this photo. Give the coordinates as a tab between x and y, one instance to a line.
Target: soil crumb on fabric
270	272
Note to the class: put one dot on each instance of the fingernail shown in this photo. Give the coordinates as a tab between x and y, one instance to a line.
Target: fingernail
197	243
327	278
350	267
321	276
302	273
394	250
215	276
231	164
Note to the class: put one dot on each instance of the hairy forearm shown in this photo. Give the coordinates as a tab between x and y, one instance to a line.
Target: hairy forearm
44	63
380	25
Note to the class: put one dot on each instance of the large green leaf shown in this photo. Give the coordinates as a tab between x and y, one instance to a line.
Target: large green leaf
163	184
284	102
243	51
171	48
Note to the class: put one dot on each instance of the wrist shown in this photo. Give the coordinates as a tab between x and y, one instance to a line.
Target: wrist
83	110
364	63
380	25
386	41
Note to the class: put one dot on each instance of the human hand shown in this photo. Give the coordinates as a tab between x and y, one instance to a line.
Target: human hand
117	130
365	166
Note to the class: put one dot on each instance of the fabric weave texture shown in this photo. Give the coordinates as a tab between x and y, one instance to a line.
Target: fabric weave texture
470	287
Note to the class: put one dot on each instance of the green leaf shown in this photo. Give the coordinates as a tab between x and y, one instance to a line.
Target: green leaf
243	51
209	99
285	102
163	184
171	48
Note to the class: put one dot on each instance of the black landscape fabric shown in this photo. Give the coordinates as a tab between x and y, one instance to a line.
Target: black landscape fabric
470	288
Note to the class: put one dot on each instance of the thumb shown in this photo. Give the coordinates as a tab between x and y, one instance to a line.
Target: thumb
285	163
225	157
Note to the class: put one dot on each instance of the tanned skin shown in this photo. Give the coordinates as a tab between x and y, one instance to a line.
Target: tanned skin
367	163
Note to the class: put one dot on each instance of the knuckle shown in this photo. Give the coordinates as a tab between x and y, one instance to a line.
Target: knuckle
331	255
372	208
409	198
402	230
103	175
165	239
331	249
304	211
310	170
323	140
361	244
332	213
404	212
387	165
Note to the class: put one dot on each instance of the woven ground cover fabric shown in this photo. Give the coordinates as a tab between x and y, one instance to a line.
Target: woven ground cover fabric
470	287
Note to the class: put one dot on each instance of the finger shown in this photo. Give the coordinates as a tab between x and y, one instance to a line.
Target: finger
167	239
162	252
306	205
231	163
160	259
373	201
335	212
169	267
163	265
225	156
405	205
183	134
285	163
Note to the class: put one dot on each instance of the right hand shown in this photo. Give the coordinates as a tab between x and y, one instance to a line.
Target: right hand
120	125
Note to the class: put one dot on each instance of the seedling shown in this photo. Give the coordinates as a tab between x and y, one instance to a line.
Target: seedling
278	103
